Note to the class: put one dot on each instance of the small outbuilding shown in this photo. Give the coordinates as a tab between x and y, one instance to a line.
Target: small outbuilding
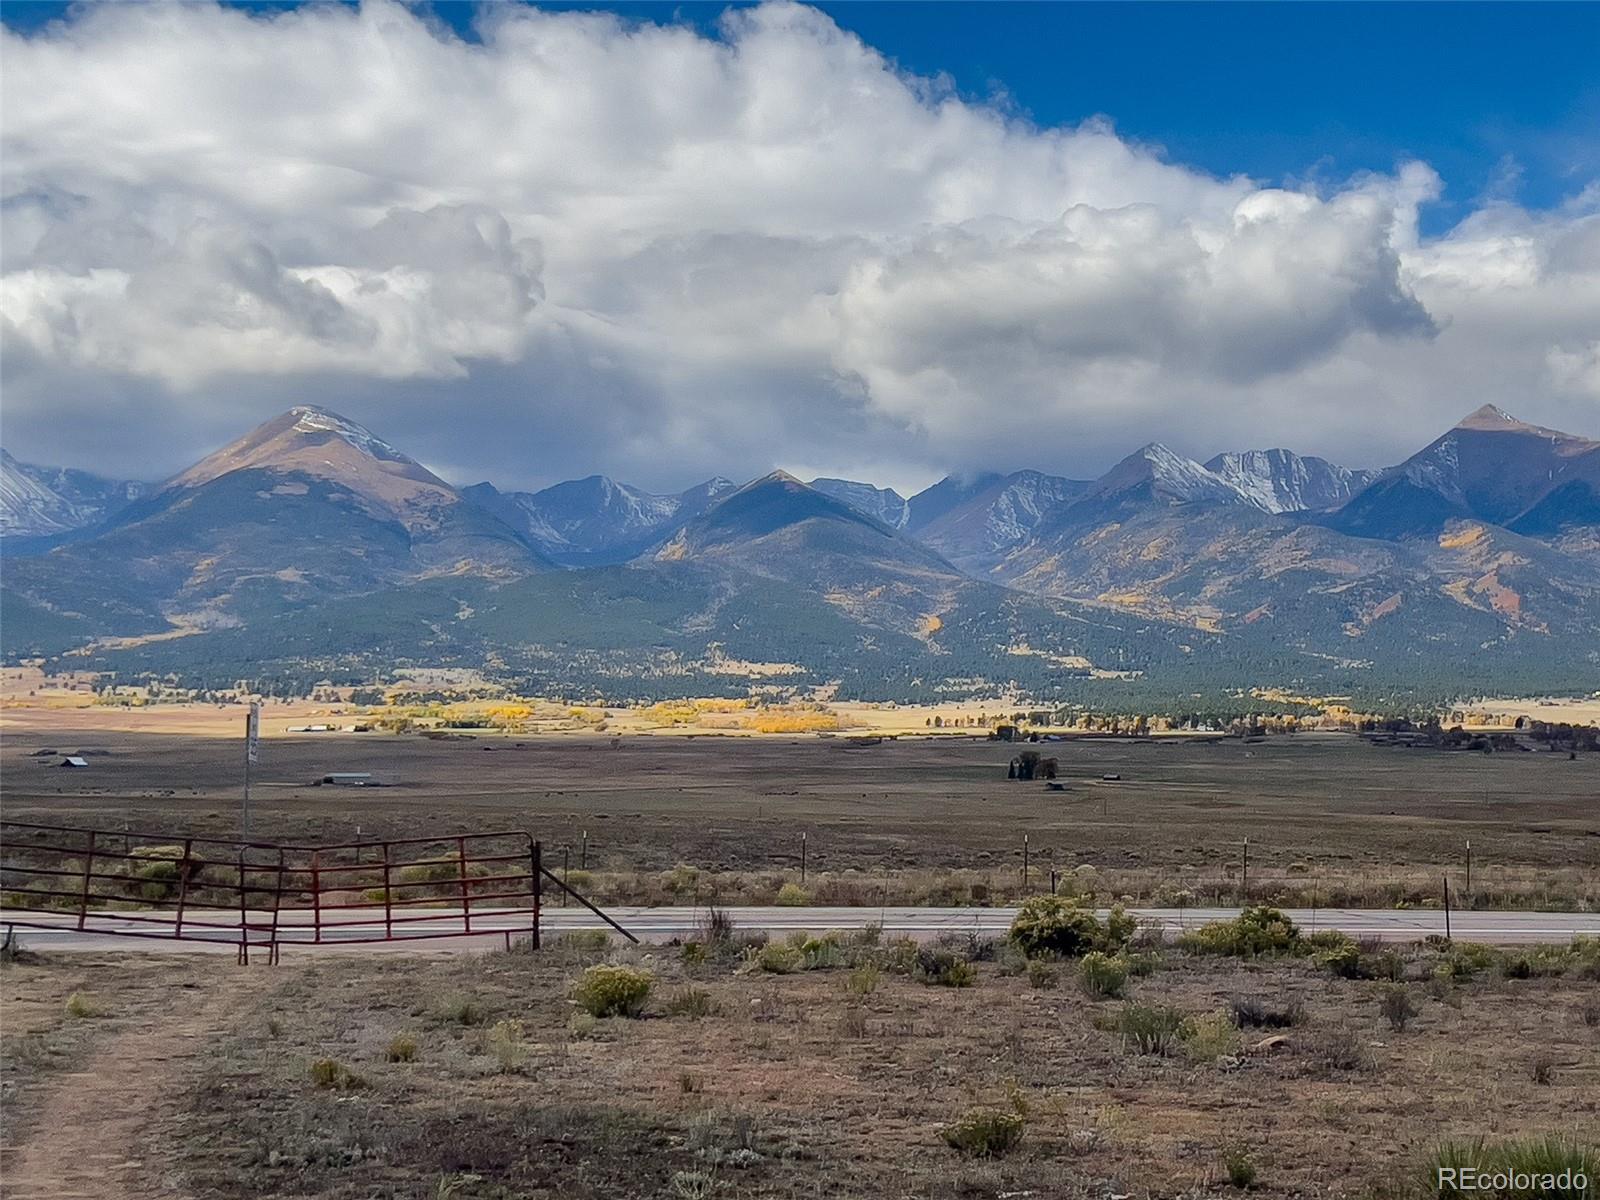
73	762
349	779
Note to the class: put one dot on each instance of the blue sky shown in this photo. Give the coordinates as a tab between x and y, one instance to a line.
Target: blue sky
1503	100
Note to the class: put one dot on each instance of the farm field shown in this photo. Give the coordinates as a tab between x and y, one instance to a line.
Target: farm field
476	1077
1329	818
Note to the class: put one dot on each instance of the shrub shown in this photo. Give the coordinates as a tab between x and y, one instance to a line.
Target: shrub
402	1049
1142	965
1208	1037
1516	966
691	1002
792	895
1042	974
1463	960
157	880
333	1075
1342	961
580	1025
1120	928
1585	958
1256	932
1103	976
693	1185
506	1045
1147	1029
1338	1049
585	941
1542	1069
1527	1157
1062	926
1589	1014
853	1022
821	953
1240	1166
607	991
898	957
863	981
985	1132
1253	1012
1397	1007
945	968
1580	959
1011	960
1326	939
80	1006
968	945
436	871
461	1010
717	926
780	958
1385	964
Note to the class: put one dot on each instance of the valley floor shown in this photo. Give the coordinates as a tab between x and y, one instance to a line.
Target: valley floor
1331	821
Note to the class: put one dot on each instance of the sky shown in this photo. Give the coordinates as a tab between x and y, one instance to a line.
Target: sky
881	241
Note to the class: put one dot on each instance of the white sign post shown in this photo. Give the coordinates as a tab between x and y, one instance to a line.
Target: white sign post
252	755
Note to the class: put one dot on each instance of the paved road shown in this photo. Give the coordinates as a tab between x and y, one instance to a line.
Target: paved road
296	929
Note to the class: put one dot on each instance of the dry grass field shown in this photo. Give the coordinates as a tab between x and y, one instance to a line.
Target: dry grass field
1329	818
476	1077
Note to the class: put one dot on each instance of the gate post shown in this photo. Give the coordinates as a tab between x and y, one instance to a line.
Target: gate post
277	905
538	890
83	899
466	908
244	917
316	899
183	886
388	898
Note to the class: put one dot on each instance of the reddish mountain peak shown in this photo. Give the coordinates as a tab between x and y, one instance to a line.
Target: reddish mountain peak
1490	419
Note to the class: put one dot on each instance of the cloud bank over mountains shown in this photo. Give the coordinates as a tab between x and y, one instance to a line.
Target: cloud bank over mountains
586	244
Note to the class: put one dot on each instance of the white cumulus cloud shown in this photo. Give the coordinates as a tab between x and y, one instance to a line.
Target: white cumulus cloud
585	244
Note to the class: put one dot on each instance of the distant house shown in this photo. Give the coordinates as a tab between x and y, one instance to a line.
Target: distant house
349	779
74	762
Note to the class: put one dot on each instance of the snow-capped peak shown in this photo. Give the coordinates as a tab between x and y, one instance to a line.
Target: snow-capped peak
1279	481
309	418
1169	474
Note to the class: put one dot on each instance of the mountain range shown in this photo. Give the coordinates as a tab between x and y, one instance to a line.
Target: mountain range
46	502
311	549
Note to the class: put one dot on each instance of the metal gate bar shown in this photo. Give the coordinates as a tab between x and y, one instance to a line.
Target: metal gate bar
198	879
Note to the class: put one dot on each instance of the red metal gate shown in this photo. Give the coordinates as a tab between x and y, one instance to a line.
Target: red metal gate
262	894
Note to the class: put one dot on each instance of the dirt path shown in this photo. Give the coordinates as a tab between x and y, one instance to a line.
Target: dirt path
88	1139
